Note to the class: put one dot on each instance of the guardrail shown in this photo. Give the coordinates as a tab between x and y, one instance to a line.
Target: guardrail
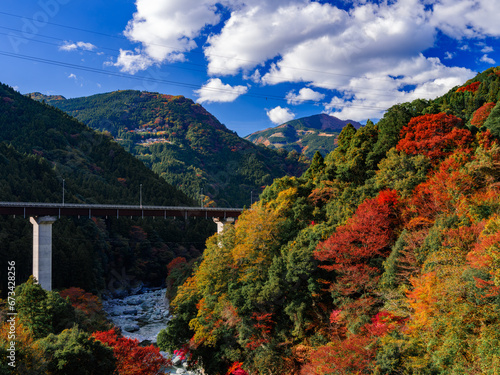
27	209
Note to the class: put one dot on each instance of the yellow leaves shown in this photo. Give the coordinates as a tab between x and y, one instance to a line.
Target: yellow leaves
284	201
255	238
186	292
422	300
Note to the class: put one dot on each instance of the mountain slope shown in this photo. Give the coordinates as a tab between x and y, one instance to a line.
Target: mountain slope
39	147
305	135
383	258
182	142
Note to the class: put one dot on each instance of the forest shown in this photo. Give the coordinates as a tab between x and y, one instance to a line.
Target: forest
382	258
40	147
184	144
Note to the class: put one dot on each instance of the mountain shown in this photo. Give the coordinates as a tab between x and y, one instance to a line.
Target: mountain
382	258
40	146
305	135
182	142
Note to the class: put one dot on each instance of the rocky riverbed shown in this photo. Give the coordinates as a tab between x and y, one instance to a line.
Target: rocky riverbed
142	316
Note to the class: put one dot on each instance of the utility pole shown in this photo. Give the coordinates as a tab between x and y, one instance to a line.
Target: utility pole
63	193
140	196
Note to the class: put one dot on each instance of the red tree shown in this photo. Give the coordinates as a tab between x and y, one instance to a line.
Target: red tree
471	87
366	235
79	299
435	136
131	358
481	114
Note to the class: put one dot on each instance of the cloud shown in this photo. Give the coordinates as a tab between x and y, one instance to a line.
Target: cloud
262	30
449	55
370	55
305	95
466	18
166	30
487	60
279	115
131	62
214	91
69	46
487	49
72	76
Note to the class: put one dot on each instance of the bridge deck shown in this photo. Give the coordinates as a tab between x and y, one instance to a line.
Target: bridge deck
26	209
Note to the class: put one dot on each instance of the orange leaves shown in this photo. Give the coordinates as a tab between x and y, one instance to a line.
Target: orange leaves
176	263
353	355
79	299
435	136
236	369
481	114
486	255
422	299
440	193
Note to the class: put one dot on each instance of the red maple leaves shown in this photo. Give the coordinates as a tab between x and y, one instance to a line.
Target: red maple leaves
435	136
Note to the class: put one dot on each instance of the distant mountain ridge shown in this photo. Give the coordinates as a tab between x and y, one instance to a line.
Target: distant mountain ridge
305	135
185	144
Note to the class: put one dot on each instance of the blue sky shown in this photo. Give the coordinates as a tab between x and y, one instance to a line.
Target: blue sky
253	63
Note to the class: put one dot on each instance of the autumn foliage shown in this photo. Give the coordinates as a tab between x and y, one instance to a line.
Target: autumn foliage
132	359
382	258
366	235
470	87
435	136
481	114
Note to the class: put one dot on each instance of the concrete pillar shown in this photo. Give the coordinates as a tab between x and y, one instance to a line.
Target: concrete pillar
222	222
42	250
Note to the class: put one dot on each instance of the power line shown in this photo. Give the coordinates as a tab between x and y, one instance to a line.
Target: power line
121	37
157	80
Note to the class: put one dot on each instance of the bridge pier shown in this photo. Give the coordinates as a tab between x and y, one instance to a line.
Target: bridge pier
42	249
222	222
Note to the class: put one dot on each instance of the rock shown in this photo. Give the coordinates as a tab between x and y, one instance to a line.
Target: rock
137	288
131	328
130	312
176	361
135	302
180	371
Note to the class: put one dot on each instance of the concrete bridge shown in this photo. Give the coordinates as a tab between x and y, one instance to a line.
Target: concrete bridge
43	215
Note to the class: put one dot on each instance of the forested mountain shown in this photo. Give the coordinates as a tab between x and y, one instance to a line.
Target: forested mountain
382	258
39	147
305	135
179	140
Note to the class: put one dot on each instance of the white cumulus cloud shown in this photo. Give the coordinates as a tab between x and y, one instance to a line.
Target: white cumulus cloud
305	94
369	55
279	115
214	91
70	46
166	30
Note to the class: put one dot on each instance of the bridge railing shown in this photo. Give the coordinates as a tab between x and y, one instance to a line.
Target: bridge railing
27	209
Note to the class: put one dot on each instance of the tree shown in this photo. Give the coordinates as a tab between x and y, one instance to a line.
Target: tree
482	114
88	309
131	358
43	312
356	250
435	135
74	352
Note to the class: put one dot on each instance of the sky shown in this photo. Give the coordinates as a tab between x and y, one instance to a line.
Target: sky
253	64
